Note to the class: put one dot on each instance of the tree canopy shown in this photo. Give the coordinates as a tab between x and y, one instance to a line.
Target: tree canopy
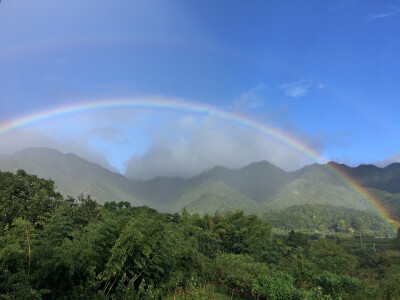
64	248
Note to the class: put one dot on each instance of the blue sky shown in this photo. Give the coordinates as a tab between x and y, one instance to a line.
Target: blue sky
324	72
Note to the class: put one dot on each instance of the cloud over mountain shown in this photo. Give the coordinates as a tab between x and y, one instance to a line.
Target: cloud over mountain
202	146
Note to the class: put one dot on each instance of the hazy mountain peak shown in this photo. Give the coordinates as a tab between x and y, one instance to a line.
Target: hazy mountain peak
72	174
38	150
261	165
314	167
218	169
260	182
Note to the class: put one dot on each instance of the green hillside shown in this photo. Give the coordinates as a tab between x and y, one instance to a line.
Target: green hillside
390	201
161	191
258	181
210	197
328	219
309	191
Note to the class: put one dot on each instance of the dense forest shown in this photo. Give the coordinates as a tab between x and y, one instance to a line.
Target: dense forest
53	247
326	219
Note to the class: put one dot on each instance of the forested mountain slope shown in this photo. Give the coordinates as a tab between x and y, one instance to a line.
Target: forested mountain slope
385	179
256	188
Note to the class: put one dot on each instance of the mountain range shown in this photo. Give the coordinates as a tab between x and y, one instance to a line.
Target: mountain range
256	188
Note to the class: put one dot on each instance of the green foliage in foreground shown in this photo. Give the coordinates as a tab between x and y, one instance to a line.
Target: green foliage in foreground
327	219
55	248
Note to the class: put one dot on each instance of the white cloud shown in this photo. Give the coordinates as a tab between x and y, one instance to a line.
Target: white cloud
296	89
389	160
300	88
391	11
214	142
382	15
254	98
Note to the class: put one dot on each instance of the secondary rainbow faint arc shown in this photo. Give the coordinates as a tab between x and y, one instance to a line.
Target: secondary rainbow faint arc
209	110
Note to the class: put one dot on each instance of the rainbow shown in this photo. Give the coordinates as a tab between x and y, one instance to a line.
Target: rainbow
176	104
382	211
